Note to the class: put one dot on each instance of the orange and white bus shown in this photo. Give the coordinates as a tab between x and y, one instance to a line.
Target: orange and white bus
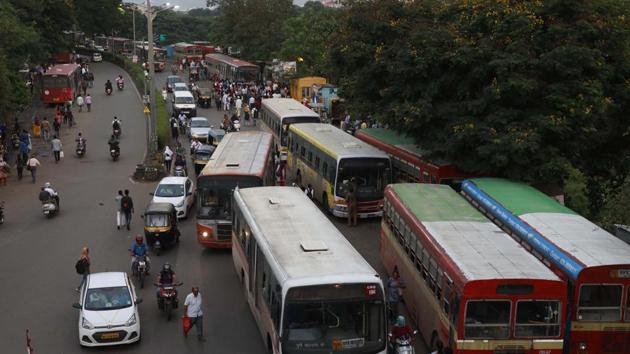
309	290
242	159
469	284
277	115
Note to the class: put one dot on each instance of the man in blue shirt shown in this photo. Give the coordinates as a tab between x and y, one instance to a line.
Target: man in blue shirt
138	250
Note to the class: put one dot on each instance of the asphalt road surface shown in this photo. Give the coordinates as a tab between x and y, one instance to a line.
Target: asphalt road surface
37	255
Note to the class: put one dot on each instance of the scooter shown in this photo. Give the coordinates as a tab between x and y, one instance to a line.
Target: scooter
108	91
117	132
167	298
139	269
1	213
49	207
121	85
80	149
180	171
236	125
402	345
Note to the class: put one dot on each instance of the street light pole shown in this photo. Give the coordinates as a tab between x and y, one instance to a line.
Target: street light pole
133	11
153	121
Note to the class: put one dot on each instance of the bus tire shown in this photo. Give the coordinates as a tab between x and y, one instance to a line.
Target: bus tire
325	205
269	346
434	338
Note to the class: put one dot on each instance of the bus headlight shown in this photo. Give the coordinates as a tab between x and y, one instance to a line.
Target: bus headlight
341	207
204	234
582	346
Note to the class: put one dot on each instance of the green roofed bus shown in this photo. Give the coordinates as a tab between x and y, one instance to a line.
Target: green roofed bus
468	284
595	263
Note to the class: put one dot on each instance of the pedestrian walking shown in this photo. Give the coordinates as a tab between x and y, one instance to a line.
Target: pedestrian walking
394	289
192	310
56	148
32	165
70	117
19	165
174	128
88	102
119	211
4	171
45	125
56	126
80	102
126	205
83	266
168	159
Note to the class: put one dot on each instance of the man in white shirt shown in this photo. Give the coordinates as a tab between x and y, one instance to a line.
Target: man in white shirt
238	105
192	309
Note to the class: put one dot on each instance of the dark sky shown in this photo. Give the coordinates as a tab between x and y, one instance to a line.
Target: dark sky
191	4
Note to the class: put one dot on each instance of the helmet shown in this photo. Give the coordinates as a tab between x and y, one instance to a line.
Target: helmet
47	185
400	321
139	238
166	267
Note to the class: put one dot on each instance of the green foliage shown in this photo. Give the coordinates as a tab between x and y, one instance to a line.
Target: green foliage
95	17
162	118
575	192
255	27
308	37
615	209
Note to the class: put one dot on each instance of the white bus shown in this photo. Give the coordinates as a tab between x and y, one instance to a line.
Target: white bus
309	290
328	159
277	114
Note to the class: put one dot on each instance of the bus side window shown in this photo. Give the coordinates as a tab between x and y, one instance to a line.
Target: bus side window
425	264
419	252
302	152
408	238
325	170
317	163
412	246
425	177
310	157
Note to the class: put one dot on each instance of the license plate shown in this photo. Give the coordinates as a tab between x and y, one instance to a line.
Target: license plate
108	336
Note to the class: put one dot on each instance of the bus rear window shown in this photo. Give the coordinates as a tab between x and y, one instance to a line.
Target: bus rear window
628	307
56	82
537	319
487	319
600	303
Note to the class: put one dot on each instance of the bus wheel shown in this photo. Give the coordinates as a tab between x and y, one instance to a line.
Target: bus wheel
325	203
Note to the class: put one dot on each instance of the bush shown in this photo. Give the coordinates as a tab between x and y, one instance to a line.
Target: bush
161	115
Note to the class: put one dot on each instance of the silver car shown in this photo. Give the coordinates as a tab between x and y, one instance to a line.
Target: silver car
199	128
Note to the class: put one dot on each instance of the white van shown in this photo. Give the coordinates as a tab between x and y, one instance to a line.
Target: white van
184	101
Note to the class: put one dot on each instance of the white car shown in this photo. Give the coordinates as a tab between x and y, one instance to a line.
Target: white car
199	128
179	191
99	48
97	57
109	311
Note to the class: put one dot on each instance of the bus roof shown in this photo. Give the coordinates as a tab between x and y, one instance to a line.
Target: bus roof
241	153
335	141
301	244
230	60
477	247
565	238
62	69
288	107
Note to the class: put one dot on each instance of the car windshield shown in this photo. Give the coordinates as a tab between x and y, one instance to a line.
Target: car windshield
339	318
173	80
199	123
180	88
371	176
170	190
184	100
104	299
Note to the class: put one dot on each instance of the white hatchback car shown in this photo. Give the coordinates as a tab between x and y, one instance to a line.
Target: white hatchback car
109	311
179	191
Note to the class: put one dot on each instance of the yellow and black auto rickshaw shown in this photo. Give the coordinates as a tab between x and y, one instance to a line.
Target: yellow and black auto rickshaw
215	136
204	97
201	156
160	226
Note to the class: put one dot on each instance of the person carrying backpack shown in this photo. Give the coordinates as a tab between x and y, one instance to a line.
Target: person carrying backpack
83	266
126	204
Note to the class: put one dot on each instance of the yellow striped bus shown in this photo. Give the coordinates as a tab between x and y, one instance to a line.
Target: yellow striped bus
327	158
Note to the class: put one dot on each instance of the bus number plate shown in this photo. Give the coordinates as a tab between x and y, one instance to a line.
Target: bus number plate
370	290
623	273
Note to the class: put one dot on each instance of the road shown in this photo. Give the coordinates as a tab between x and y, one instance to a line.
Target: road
37	255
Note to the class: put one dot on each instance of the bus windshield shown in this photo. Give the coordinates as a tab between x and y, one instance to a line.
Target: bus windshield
487	319
56	81
340	318
371	176
537	319
600	303
286	123
214	194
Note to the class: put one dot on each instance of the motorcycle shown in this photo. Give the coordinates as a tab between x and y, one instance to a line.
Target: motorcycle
179	171
167	298
236	125
139	269
402	345
121	85
117	131
80	150
115	153
108	91
50	207
1	213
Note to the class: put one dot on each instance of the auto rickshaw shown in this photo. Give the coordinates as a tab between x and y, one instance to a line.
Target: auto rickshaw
160	226
215	136
204	97
201	156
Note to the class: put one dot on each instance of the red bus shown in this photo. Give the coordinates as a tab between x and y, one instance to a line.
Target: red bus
192	51
407	160
233	69
61	83
467	283
595	264
242	159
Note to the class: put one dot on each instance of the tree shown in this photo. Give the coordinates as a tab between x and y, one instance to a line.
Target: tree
308	37
100	16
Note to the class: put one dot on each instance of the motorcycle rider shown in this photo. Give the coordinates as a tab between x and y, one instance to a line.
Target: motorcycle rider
51	192
400	329
116	124
114	144
139	249
81	141
166	277
108	86
120	82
